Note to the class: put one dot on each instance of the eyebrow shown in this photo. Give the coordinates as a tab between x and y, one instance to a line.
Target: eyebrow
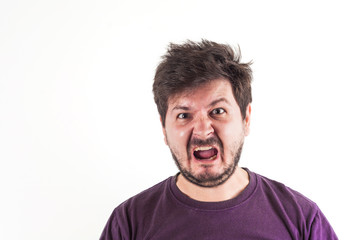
213	103
217	101
178	107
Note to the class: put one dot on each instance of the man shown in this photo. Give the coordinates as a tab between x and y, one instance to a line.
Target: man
203	95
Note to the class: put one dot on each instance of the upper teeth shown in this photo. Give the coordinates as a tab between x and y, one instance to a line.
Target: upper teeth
202	148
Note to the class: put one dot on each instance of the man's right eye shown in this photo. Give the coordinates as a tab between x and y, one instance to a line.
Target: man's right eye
182	115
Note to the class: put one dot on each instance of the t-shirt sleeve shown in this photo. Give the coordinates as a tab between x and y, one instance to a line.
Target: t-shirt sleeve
112	229
321	228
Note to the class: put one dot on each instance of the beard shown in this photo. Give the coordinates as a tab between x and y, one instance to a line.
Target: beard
209	179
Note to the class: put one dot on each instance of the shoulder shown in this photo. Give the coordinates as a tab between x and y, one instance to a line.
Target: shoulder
281	193
300	214
286	202
147	197
132	213
143	205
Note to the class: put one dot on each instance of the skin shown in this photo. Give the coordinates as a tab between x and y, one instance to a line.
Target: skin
209	111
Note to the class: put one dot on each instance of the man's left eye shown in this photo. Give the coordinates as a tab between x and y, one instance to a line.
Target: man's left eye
218	111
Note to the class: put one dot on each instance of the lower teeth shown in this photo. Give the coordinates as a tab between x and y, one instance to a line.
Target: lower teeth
214	157
211	158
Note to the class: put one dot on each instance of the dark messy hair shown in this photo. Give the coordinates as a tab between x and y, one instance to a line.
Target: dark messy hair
191	64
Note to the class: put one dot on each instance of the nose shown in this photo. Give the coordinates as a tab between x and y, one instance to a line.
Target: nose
203	127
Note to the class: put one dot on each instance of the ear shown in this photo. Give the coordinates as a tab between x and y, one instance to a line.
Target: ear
247	120
164	132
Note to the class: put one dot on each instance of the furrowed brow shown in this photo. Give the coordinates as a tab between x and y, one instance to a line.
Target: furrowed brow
218	101
178	107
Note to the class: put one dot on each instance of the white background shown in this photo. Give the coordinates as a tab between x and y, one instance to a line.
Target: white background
79	131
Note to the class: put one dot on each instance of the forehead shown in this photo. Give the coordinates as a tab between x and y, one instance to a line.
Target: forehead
205	93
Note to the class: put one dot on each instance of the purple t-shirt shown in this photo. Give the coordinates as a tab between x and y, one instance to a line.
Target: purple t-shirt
266	209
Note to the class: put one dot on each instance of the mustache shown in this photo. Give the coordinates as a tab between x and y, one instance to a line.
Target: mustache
201	142
214	140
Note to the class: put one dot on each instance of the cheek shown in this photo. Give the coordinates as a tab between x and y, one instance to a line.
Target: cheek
230	132
178	137
182	136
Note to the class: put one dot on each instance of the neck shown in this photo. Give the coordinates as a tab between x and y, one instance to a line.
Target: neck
228	190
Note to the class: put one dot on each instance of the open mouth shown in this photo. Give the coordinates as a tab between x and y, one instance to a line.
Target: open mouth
205	153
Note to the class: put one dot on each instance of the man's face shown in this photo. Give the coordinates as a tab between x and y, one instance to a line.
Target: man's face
205	131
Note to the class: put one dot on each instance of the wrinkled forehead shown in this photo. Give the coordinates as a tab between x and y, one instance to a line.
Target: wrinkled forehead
204	92
182	94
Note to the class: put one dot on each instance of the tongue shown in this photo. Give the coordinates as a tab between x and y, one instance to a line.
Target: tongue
205	154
